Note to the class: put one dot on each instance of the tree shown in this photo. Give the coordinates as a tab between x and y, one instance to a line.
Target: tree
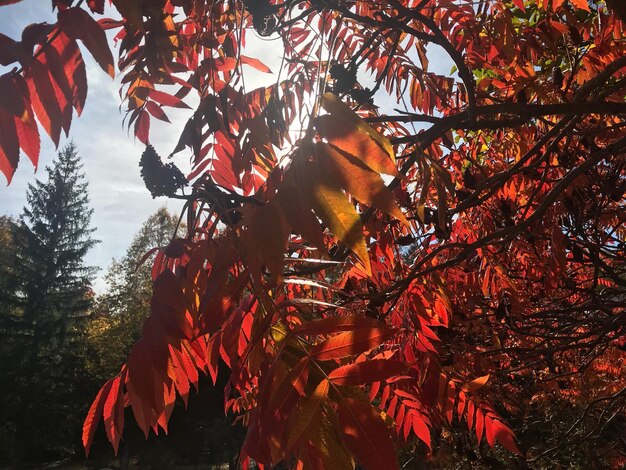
117	319
121	310
43	311
506	176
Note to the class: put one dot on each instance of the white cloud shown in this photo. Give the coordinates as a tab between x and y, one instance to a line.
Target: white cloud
118	196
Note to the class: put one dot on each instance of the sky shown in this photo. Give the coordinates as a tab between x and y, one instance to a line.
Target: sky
110	154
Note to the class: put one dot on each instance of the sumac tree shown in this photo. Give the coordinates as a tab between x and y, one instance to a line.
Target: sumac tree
505	178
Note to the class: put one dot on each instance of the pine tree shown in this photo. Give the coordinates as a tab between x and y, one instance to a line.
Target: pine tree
50	298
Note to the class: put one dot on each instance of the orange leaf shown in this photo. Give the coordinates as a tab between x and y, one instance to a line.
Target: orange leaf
366	435
255	63
581	4
347	131
366	371
478	383
351	343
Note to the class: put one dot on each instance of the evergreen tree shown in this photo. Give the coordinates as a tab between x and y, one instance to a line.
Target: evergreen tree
43	317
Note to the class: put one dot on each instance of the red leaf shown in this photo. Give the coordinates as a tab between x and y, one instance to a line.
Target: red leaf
93	416
212	356
421	429
480	422
78	24
366	371
43	99
470	414
351	343
9	145
33	34
156	111
74	69
9	50
179	376
449	404
97	6
489	429
366	435
28	135
113	412
165	99
330	325
26	126
55	62
142	127
505	436
519	4
168	306
11	99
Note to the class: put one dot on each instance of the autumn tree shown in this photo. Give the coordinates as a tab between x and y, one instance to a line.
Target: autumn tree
43	312
506	177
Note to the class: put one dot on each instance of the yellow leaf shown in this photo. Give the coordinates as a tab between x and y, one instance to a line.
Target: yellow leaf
308	415
326	440
329	203
364	184
339	214
347	131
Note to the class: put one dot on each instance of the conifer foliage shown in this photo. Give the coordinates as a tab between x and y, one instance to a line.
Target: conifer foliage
44	310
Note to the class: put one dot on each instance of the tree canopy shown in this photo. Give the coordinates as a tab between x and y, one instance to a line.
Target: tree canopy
381	253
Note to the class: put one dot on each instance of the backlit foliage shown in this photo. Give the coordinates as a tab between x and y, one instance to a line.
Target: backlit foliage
376	250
